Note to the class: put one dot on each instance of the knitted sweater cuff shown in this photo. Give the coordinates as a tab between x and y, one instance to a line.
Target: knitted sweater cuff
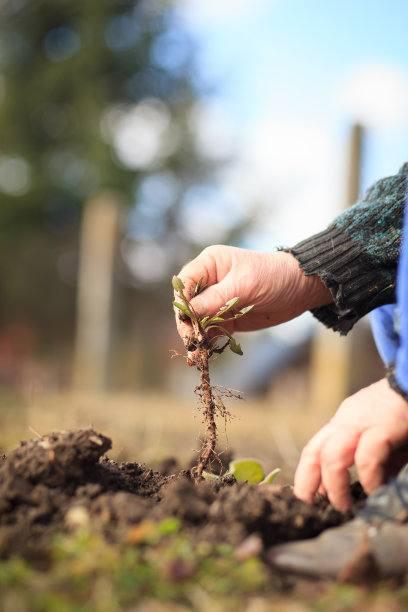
343	266
393	381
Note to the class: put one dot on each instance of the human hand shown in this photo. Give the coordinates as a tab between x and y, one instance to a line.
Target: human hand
370	430
272	282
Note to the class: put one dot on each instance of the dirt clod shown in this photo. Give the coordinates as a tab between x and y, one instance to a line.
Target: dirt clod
64	480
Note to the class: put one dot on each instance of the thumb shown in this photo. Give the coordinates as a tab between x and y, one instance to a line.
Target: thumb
212	299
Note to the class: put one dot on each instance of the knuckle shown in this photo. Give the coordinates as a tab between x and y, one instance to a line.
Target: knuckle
332	461
366	463
309	455
212	250
366	470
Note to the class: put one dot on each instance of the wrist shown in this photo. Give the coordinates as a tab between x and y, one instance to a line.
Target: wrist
393	382
311	292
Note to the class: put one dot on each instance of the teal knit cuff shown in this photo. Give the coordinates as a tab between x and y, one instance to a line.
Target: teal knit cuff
356	285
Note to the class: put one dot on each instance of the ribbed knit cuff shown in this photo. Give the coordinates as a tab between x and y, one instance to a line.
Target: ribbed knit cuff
356	286
393	381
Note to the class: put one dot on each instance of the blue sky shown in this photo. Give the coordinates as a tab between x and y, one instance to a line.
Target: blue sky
305	45
292	47
291	76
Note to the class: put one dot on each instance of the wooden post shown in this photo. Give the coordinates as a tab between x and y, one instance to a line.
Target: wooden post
331	369
364	363
99	233
354	167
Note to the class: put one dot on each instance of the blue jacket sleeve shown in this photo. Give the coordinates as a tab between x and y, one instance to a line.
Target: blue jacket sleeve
383	324
390	323
401	362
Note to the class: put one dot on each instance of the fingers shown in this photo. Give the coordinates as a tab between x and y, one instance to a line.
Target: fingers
204	267
184	328
212	267
369	429
371	457
337	456
322	490
207	303
308	473
324	465
211	299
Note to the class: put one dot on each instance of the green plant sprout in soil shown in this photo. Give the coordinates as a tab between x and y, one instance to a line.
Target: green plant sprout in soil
204	346
247	470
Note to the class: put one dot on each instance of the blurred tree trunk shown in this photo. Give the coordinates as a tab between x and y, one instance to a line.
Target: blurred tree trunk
99	235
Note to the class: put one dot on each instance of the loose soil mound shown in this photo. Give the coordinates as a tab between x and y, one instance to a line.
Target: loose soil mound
45	482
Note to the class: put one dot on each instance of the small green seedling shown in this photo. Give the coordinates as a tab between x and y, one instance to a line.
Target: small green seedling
204	345
247	470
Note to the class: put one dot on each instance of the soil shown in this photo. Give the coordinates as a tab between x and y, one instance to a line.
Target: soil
43	481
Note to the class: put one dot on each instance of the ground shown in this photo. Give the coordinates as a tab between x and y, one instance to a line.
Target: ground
81	531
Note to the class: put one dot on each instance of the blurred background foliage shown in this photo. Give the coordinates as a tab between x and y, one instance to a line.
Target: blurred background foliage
116	97
94	95
205	122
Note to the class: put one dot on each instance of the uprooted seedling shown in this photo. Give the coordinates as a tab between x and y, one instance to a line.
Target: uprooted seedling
204	346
